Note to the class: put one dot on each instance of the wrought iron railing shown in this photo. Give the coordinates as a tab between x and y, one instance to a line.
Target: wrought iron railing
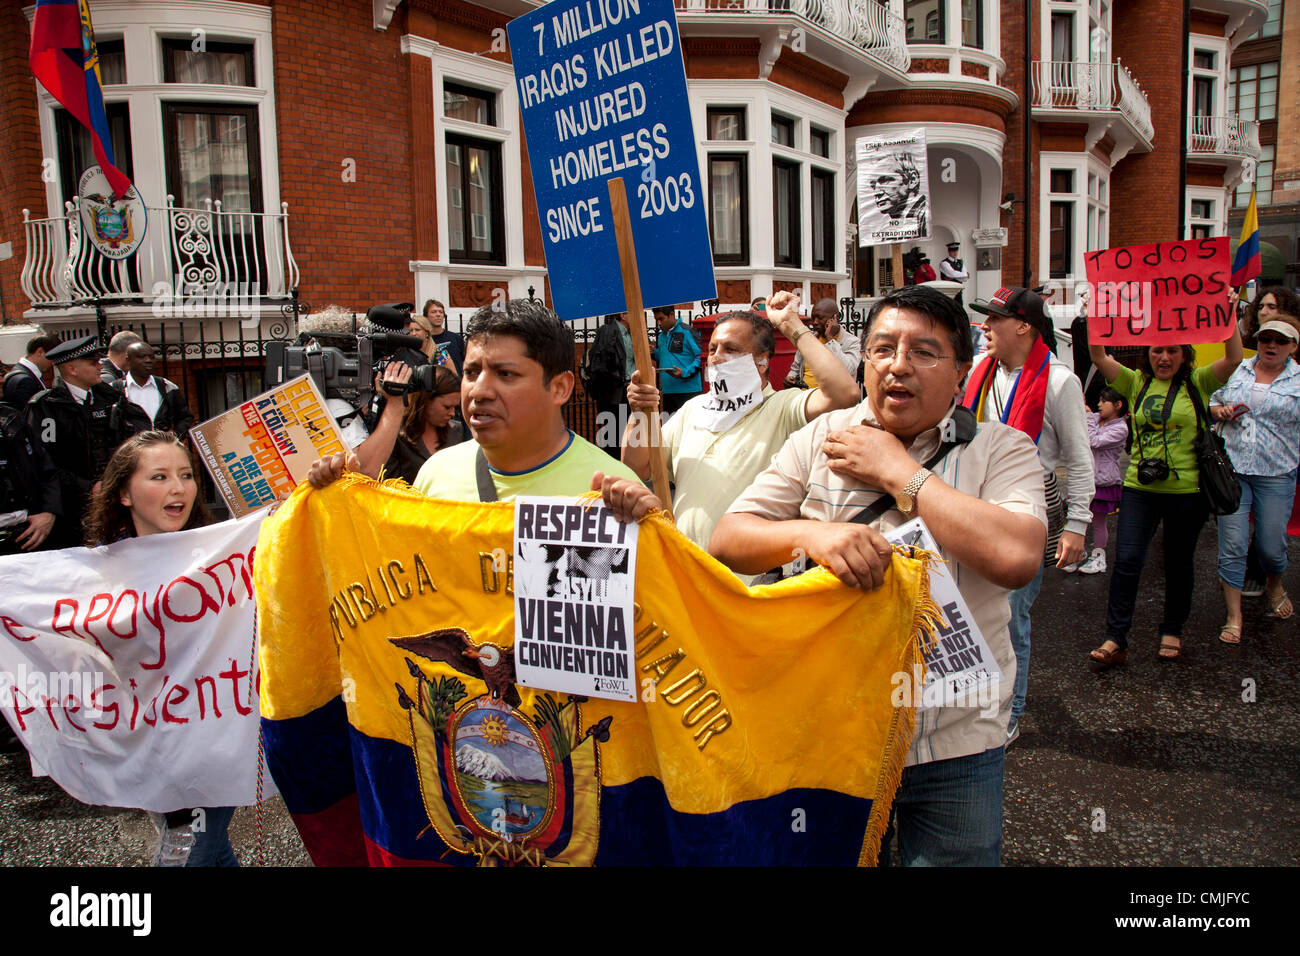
865	23
209	254
1224	135
1080	85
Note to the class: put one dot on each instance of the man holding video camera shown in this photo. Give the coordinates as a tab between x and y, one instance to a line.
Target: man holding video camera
347	362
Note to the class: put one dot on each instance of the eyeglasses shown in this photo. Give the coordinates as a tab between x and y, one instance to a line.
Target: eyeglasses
1269	338
918	357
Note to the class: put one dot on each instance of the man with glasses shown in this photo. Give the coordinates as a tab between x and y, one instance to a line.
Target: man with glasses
982	499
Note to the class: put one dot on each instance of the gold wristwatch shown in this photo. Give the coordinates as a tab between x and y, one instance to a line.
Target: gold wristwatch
906	499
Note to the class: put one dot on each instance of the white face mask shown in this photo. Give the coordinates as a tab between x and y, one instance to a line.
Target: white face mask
735	389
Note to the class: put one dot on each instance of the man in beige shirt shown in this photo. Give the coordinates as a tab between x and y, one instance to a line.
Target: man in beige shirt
711	459
983	502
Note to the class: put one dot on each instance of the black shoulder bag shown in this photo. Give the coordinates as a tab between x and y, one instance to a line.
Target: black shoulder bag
1219	485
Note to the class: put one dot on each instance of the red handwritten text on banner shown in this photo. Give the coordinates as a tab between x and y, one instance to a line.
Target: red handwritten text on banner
1169	293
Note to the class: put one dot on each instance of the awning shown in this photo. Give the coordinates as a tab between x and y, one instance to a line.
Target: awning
1272	262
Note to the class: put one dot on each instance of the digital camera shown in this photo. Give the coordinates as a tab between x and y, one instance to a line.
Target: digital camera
1151	470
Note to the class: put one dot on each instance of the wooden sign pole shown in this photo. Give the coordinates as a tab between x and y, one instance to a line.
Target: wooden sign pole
896	264
640	337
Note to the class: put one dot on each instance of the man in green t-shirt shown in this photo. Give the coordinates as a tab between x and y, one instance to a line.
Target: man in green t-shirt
518	376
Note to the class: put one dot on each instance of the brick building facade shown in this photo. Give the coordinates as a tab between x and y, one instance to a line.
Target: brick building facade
373	151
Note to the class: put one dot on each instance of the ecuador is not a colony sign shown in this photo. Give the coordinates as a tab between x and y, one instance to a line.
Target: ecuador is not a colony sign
602	90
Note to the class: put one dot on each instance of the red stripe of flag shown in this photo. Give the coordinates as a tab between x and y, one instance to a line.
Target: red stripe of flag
59	63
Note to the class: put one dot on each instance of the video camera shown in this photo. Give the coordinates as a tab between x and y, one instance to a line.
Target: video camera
343	360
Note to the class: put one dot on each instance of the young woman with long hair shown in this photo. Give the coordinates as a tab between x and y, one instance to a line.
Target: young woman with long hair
428	425
413	427
148	488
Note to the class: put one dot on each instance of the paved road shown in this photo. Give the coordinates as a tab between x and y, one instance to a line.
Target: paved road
1149	763
1175	759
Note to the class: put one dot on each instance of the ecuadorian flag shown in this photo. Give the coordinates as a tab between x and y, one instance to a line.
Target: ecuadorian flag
766	731
1246	263
66	62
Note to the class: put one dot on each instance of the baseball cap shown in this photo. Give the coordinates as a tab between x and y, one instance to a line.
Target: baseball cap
1016	303
1284	329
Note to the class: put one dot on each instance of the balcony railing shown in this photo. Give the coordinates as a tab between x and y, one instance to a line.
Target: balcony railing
1223	135
1094	87
864	23
208	254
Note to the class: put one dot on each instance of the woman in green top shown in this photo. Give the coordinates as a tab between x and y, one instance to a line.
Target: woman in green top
1162	484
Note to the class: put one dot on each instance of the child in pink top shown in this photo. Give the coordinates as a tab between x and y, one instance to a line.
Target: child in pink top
1107	433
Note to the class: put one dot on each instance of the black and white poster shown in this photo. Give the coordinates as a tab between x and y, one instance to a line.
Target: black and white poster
574	576
893	188
959	666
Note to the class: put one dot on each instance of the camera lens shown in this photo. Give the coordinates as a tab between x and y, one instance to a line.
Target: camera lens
422	378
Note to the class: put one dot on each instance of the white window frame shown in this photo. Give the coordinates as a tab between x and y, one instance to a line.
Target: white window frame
1084	11
1082	165
142	25
1219	47
1218	221
466	69
760	104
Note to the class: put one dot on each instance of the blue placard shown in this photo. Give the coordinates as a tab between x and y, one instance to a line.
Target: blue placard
602	90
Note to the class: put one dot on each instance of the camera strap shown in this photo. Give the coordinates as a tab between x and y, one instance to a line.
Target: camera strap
1164	413
963	431
487	489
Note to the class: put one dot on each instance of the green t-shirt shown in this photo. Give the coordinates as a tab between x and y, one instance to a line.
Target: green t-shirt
1150	431
450	474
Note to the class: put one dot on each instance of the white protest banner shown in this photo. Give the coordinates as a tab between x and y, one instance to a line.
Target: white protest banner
127	670
893	188
574	573
960	668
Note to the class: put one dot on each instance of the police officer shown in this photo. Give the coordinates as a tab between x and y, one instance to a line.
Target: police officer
953	269
26	378
29	487
76	424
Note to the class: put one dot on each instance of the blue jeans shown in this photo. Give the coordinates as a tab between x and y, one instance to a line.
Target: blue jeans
1271	496
949	813
1140	512
212	844
1022	600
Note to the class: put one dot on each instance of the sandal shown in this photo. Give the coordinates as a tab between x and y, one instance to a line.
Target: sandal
1170	652
1103	659
1230	633
1282	606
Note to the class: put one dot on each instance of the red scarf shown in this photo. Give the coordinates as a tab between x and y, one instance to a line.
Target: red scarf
1025	405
